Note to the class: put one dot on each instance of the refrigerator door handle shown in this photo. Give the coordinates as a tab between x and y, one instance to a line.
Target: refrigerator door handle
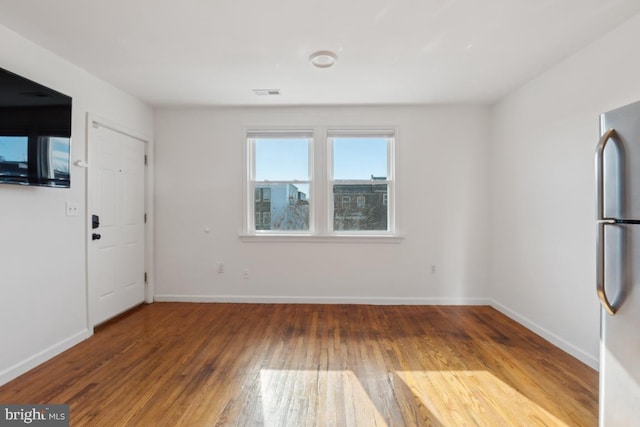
602	222
602	294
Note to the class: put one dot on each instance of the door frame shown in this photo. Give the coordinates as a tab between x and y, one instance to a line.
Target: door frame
93	122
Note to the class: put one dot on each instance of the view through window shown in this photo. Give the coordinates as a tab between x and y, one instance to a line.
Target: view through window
360	182
351	185
281	183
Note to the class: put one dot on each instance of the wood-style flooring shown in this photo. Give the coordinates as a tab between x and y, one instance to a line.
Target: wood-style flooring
180	364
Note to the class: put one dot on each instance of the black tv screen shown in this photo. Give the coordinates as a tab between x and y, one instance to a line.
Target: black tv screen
35	133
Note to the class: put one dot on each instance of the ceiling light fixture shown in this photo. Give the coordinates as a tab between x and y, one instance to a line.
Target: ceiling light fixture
323	59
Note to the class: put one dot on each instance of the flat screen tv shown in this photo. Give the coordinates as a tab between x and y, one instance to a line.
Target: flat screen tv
35	133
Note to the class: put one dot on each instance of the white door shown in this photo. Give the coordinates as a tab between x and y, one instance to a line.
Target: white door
116	246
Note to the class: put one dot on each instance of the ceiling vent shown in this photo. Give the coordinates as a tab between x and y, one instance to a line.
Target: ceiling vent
267	92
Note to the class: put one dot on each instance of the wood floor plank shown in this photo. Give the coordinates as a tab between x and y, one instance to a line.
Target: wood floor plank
179	364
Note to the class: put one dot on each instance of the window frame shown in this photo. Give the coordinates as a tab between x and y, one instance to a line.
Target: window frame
320	185
390	135
251	136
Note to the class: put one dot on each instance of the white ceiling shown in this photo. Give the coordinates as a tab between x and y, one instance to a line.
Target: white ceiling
214	52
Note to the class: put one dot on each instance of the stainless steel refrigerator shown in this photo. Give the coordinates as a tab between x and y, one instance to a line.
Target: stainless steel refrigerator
618	265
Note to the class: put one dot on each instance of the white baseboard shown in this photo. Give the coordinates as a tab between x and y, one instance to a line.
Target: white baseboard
554	339
261	299
41	357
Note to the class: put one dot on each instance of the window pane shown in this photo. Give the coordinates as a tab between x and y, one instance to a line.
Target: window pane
369	212
285	208
359	158
282	159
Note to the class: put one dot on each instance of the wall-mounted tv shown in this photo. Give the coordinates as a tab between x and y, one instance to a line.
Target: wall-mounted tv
35	133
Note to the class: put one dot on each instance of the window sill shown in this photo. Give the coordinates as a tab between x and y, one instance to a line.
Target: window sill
310	238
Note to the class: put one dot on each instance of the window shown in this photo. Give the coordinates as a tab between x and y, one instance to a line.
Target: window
280	177
349	192
361	166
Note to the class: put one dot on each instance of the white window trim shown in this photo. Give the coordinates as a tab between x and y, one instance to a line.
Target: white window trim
250	135
334	238
320	189
391	134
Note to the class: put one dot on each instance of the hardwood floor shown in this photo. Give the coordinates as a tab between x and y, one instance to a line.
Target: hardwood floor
179	364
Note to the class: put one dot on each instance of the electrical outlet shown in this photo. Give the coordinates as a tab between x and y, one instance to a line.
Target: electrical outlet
220	267
245	273
73	209
433	269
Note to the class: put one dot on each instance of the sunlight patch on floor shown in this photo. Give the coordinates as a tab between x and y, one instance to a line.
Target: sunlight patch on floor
319	397
464	397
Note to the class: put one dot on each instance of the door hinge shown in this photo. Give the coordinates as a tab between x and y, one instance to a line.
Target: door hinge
145	277
145	160
145	218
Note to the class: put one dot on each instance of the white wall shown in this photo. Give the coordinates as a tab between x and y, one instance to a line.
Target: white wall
43	308
443	208
543	145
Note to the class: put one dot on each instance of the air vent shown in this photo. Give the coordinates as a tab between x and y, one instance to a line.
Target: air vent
267	92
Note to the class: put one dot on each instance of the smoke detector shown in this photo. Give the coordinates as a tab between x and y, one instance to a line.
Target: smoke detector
323	59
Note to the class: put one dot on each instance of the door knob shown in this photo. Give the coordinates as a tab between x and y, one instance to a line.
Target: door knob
95	236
